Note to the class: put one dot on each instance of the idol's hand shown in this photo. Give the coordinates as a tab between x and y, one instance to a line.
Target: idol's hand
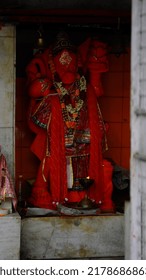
39	87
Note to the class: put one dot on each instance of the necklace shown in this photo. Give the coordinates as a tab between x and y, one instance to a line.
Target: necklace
70	111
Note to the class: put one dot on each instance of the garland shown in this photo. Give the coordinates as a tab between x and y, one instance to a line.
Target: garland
70	112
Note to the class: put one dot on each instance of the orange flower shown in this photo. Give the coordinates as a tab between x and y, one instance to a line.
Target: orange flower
63	105
72	124
77	92
75	115
67	124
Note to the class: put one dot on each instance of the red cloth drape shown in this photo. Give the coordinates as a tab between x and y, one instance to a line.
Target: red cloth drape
95	161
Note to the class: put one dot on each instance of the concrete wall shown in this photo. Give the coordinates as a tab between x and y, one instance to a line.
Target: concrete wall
10	224
7	93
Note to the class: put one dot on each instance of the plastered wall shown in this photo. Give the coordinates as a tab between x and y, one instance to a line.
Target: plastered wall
7	93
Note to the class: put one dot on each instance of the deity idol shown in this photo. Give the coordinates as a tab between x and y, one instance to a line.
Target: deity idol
65	116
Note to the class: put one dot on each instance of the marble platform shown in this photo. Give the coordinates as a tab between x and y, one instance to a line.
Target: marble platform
65	237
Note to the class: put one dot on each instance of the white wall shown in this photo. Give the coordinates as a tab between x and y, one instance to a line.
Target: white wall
138	131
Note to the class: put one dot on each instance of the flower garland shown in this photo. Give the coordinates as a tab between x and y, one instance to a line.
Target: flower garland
70	112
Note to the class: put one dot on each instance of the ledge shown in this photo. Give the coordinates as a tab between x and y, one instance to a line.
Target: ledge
72	237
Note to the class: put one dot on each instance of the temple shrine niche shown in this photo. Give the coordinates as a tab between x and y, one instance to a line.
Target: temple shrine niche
110	83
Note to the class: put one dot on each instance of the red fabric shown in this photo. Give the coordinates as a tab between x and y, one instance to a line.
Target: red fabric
52	167
58	177
107	204
95	162
75	196
39	144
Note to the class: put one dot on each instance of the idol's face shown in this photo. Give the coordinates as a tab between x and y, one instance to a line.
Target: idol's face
66	66
97	57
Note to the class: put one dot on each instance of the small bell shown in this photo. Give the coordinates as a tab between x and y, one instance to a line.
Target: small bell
40	41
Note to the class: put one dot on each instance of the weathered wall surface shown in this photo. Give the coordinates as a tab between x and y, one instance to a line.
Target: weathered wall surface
138	131
7	93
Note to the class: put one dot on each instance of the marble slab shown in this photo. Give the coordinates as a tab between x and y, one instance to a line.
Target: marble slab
67	237
10	228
